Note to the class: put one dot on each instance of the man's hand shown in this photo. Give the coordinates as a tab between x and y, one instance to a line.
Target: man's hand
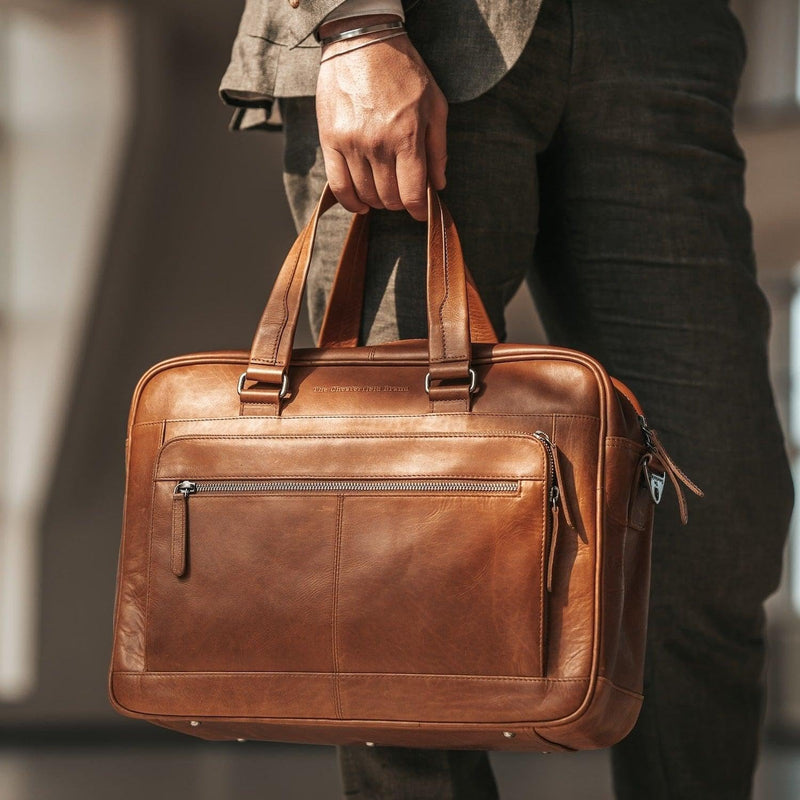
382	122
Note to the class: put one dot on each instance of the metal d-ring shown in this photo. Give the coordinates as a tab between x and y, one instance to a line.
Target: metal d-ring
473	382
281	394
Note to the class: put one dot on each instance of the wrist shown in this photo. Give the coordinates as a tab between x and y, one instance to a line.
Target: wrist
337	26
340	48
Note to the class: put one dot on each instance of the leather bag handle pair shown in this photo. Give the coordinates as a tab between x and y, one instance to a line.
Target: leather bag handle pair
342	322
456	315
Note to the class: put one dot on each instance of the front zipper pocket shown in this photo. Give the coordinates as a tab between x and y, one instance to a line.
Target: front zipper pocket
185	488
335	565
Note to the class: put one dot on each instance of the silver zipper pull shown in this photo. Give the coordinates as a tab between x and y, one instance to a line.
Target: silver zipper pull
557	478
654	480
180	504
555	495
557	501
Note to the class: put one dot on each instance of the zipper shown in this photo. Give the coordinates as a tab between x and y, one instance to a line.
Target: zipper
447	485
185	489
655	480
557	502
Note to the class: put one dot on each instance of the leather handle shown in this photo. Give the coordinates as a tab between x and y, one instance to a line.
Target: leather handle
274	337
342	322
448	317
449	347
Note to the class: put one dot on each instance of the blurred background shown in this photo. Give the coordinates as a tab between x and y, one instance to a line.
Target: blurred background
126	207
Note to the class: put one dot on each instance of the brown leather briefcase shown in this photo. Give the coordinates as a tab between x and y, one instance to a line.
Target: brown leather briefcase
431	543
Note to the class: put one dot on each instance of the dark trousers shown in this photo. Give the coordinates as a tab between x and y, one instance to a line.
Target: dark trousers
603	169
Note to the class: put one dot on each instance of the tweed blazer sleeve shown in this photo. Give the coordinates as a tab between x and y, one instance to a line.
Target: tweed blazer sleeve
275	55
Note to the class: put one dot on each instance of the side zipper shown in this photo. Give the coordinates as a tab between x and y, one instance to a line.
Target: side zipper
656	481
557	501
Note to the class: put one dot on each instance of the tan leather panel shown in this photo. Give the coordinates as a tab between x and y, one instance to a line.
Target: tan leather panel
465	423
571	610
625	617
608	715
477	598
252	599
133	569
276	696
575	565
531	381
352	455
247	695
458	699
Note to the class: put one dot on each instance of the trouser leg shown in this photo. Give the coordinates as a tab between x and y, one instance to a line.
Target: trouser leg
645	260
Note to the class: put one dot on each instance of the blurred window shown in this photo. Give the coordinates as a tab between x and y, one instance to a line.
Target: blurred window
64	95
794	437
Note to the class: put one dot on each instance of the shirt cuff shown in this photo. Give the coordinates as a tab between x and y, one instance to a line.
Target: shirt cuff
359	8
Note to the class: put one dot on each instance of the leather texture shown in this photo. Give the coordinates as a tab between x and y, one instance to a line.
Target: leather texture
362	560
